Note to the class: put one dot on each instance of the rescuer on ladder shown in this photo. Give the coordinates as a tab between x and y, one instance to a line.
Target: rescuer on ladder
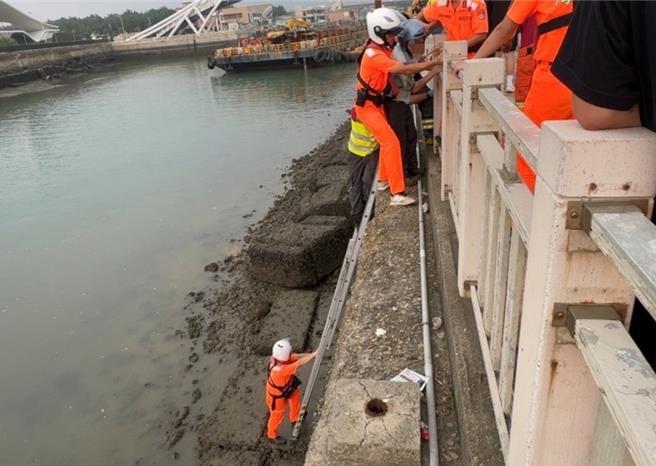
547	98
374	87
283	387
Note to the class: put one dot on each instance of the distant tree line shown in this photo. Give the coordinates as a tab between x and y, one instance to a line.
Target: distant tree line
7	42
111	25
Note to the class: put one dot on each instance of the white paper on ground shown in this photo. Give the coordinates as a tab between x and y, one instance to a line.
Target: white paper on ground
408	375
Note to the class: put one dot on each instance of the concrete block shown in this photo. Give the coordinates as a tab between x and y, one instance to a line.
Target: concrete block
348	435
303	253
329	199
290	316
574	162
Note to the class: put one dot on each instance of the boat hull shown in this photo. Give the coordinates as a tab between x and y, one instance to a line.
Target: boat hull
281	60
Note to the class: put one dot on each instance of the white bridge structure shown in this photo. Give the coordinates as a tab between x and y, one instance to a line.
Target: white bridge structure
552	276
13	21
193	17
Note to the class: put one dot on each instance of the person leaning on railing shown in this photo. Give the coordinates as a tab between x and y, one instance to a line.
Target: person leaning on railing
412	90
608	60
547	98
374	87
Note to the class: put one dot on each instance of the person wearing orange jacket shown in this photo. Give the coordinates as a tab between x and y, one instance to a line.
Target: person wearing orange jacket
282	387
461	19
374	87
547	98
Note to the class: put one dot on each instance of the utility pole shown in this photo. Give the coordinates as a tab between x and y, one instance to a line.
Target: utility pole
120	17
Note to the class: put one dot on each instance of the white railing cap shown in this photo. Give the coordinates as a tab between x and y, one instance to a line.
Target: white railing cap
575	162
455	49
484	72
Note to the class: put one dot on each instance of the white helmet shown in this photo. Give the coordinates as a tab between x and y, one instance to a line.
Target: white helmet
282	349
381	21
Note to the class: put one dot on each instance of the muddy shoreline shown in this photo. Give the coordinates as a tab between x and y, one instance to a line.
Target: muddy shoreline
279	285
47	77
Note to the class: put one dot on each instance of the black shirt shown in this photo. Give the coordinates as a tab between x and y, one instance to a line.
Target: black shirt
608	57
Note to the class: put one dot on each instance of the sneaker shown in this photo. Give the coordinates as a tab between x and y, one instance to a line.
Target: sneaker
401	199
277	441
510	84
382	185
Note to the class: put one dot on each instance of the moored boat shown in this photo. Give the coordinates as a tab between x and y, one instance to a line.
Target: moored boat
292	47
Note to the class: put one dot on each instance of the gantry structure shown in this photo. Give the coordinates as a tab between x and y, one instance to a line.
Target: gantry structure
13	21
193	18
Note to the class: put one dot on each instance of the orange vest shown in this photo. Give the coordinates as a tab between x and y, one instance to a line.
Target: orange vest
278	378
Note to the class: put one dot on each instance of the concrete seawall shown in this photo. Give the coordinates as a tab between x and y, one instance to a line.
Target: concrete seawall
15	62
176	45
28	65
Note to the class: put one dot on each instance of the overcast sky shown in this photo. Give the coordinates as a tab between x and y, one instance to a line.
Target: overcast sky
53	9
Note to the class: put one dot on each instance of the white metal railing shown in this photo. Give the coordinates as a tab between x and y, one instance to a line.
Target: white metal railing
552	276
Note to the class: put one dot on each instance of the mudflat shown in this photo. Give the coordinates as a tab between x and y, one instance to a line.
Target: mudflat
279	285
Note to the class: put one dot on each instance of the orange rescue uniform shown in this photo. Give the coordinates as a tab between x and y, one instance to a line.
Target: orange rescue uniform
374	70
281	375
547	98
460	19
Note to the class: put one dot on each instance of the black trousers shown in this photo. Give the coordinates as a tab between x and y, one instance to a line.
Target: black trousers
361	176
400	119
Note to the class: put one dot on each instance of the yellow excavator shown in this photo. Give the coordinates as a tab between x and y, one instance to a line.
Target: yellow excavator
293	25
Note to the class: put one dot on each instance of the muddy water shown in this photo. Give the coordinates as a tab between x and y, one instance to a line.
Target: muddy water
114	192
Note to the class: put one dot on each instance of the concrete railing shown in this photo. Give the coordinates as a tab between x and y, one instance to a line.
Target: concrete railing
552	276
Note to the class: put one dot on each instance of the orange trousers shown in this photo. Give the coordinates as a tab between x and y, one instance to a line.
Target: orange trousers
277	411
390	163
547	99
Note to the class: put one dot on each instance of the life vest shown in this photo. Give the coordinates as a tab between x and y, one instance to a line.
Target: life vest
361	141
277	392
377	97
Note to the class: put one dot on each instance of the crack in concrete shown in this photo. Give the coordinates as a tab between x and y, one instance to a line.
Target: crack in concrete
364	434
366	390
387	431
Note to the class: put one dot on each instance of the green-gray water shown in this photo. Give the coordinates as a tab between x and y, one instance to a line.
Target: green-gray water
114	193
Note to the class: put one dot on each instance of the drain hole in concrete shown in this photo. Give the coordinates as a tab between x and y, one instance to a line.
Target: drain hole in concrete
376	408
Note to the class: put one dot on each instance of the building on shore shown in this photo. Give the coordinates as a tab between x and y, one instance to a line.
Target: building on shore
313	14
240	17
